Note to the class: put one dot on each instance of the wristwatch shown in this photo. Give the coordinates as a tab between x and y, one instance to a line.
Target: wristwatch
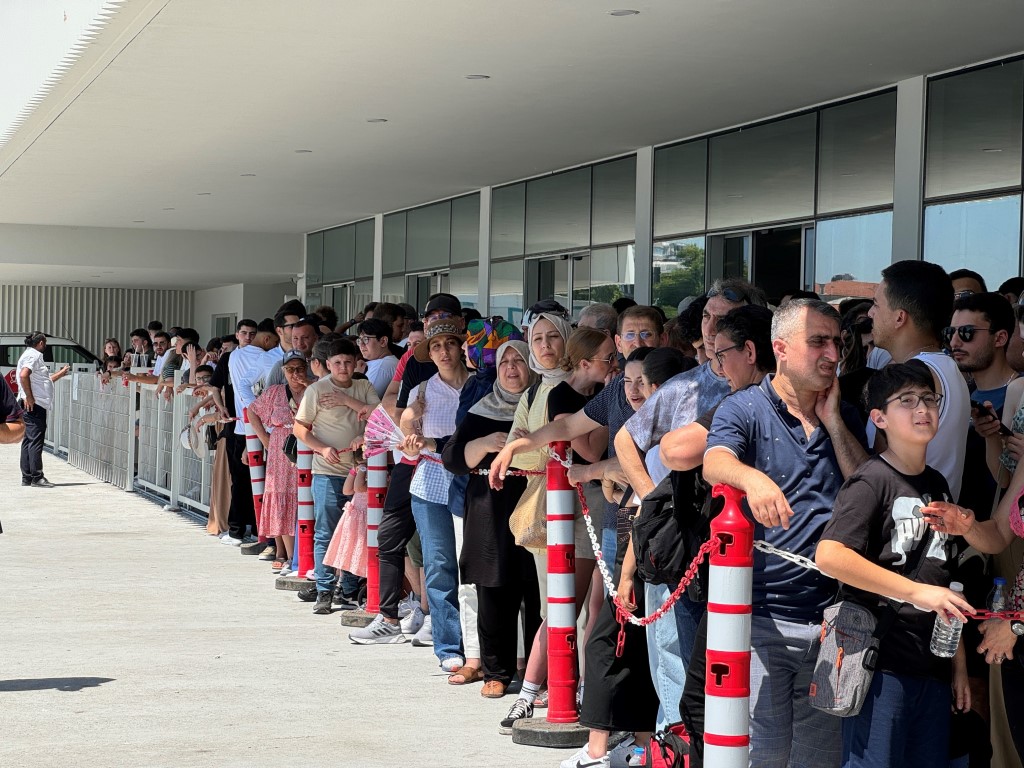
1017	627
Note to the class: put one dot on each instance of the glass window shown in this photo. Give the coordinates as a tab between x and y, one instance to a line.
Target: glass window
614	204
392	290
466	230
507	290
508	221
364	249
315	258
394	243
974	130
66	356
429	237
983	235
850	254
362	294
762	174
463	284
857	154
558	212
611	276
680	188
339	254
678	271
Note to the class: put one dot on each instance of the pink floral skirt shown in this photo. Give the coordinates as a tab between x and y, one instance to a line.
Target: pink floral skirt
347	550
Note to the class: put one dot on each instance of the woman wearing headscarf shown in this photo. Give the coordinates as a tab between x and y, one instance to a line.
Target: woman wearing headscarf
504	573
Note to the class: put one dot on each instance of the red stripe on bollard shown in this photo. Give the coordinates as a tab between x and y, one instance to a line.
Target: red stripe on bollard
711	739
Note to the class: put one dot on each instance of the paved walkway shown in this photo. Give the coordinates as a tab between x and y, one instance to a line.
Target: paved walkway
130	637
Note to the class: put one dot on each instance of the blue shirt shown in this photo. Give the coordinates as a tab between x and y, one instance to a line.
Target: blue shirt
756	426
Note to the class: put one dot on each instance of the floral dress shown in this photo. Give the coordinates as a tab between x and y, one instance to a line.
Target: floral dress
280	493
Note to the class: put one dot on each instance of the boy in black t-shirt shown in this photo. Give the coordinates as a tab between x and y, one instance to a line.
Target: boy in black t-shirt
876	523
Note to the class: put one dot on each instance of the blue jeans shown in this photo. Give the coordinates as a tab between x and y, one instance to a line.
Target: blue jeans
669	646
327	501
441	574
904	722
785	730
609	548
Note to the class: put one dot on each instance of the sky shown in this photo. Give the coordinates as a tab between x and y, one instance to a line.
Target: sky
34	36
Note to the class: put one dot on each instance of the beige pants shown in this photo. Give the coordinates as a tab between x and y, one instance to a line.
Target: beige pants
220	491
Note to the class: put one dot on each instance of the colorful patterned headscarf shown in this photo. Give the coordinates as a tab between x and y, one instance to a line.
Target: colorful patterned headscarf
483	340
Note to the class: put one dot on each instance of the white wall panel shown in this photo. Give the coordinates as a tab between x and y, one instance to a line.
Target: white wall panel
89	315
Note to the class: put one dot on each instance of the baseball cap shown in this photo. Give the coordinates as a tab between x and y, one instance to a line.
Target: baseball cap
444	301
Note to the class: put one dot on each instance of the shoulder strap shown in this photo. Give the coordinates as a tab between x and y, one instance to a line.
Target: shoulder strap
531	394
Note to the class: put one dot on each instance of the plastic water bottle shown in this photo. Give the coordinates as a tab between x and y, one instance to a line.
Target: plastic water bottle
946	637
997	597
638	758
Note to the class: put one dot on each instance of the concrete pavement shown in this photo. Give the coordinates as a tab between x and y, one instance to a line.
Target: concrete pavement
130	637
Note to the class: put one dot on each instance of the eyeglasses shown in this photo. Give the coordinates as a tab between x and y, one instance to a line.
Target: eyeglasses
962	294
909	400
721	353
362	341
633	335
203	379
730	294
607	360
965	332
294	369
438	314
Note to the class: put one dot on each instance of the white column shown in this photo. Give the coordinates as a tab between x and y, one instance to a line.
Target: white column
644	264
378	256
908	182
484	268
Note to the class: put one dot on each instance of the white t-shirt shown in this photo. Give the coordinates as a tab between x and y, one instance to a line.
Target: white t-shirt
158	364
380	372
948	448
244	366
38	378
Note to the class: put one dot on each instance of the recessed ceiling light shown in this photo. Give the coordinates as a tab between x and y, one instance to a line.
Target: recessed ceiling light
377	120
847	175
735	197
168	209
478	77
303	151
247	174
993	149
139	221
624	12
200	194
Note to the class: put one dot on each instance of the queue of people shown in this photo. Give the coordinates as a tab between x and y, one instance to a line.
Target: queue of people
880	438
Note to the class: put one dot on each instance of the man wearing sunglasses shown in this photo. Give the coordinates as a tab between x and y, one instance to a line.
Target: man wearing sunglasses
911	306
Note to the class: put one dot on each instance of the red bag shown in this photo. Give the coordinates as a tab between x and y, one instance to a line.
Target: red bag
669	748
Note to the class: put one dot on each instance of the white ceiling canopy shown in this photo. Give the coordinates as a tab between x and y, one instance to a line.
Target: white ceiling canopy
191	114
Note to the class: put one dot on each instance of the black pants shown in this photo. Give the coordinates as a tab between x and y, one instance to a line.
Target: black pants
498	610
691	705
1013	696
32	444
396	527
241	512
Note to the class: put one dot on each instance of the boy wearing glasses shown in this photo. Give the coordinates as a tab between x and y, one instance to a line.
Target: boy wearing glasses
876	523
374	344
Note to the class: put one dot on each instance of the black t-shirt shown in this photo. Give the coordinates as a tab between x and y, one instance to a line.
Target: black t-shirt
221	379
415	373
563	399
878	515
9	410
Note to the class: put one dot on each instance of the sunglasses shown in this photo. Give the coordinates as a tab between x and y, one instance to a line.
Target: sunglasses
729	294
965	332
362	341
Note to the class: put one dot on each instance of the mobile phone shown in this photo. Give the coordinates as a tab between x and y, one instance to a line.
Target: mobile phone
1003	429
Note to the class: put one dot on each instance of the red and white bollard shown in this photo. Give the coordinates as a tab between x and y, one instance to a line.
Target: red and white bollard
376	490
561	581
257	468
727	684
304	537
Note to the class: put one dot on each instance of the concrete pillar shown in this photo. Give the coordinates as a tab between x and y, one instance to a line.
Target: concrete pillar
644	264
908	182
378	256
484	266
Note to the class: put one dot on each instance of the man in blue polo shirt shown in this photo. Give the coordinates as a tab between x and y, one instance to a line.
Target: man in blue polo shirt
788	444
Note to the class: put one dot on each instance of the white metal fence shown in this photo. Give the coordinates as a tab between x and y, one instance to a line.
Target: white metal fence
129	437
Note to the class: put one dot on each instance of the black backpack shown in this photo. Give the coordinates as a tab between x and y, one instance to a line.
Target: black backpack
674	521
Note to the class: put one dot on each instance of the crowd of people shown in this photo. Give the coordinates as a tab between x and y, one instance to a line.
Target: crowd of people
859	433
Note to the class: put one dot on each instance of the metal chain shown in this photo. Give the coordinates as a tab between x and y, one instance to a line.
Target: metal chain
803	562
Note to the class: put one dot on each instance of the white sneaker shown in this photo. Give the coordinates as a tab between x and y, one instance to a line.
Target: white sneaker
620	756
413	621
405	605
286	570
582	759
378	632
230	540
425	637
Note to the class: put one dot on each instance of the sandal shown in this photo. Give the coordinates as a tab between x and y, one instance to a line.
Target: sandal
468	675
277	565
493	689
542	699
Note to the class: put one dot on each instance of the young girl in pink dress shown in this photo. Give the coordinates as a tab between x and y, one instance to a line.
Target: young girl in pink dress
347	550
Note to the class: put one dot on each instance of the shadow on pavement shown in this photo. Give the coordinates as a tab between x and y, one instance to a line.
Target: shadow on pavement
55	683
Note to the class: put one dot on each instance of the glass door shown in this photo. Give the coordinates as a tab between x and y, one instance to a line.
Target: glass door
420	287
341	298
564	278
729	255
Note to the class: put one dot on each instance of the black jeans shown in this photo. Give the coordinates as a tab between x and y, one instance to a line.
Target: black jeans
32	444
396	527
241	512
1013	696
